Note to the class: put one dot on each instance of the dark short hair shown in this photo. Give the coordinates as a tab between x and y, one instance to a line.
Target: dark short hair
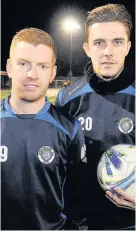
109	13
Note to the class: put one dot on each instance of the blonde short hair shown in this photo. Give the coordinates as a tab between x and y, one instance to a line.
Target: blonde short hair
33	36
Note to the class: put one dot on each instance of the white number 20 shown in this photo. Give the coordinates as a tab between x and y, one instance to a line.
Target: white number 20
86	123
3	153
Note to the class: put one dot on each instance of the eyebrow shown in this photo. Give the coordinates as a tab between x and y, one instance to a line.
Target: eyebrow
41	63
120	38
101	39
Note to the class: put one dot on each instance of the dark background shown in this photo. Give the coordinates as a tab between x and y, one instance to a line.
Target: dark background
47	15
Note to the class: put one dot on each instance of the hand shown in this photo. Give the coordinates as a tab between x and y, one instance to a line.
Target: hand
125	199
67	83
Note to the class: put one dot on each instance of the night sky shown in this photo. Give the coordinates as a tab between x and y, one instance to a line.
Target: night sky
47	15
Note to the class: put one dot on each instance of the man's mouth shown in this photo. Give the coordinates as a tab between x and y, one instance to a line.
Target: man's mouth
31	85
108	63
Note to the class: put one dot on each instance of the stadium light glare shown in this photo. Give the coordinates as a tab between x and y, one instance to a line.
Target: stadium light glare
70	25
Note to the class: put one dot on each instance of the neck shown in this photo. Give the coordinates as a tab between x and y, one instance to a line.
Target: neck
20	106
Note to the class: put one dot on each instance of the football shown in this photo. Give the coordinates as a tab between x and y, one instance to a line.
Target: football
117	167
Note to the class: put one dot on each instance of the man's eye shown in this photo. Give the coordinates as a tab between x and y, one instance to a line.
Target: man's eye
22	63
43	67
98	43
118	42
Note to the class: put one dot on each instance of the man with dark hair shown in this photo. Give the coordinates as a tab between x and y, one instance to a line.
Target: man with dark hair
39	142
103	101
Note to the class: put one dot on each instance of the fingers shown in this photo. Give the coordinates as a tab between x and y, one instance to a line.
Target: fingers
125	195
120	202
114	198
110	197
110	194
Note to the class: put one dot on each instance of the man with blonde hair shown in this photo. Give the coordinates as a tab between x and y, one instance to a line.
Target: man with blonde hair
38	141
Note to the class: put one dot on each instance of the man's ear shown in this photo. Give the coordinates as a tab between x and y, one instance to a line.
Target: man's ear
8	68
86	49
128	47
53	73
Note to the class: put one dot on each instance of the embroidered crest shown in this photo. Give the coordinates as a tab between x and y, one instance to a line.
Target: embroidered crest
125	125
46	154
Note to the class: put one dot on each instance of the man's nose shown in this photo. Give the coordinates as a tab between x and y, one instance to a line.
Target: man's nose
108	50
32	73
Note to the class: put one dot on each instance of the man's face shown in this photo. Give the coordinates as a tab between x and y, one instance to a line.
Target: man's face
107	47
31	69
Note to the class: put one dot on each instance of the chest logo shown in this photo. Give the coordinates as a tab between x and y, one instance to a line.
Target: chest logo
46	154
125	125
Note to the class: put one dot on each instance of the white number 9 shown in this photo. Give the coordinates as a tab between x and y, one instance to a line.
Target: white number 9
3	153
